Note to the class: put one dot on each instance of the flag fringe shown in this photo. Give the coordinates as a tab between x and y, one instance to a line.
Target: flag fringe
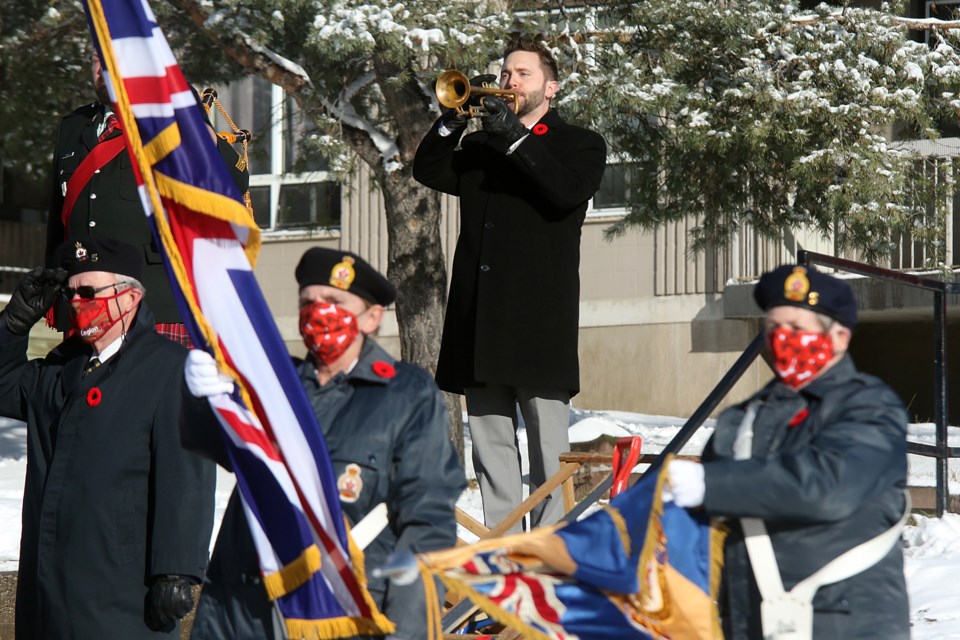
294	574
162	144
331	628
214	205
381	624
718	537
621	526
434	624
652	538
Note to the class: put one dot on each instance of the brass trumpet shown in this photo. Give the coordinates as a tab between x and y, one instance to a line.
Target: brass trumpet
454	91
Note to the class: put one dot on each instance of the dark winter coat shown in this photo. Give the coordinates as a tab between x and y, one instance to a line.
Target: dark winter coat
111	499
822	487
109	206
395	428
513	311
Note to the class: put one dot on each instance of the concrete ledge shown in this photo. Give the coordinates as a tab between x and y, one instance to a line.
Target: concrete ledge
877	300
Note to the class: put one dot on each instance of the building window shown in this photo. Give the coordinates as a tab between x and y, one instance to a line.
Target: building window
288	190
613	196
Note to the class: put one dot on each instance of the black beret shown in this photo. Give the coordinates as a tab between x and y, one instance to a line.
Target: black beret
347	271
100	254
805	287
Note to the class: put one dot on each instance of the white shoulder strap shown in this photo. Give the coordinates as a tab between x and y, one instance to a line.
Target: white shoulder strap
790	615
370	526
860	558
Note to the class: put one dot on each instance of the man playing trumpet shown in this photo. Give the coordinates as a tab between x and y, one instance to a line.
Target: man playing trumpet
510	334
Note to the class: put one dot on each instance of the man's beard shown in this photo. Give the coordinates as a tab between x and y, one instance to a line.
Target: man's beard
532	101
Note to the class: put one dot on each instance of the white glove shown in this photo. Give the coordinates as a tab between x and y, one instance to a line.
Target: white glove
202	376
686	483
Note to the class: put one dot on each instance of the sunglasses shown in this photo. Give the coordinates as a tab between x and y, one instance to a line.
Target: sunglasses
85	292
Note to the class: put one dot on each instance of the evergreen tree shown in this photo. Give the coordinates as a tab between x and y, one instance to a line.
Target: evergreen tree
753	113
734	112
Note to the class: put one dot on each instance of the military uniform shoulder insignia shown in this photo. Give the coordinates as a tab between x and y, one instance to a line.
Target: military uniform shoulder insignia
383	369
350	484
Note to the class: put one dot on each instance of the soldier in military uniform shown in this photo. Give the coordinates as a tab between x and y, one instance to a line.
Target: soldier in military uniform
385	425
95	195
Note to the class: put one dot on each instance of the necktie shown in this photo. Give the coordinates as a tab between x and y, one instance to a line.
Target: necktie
111	124
93	364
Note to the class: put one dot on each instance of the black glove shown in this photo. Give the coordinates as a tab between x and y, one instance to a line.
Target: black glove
31	299
452	120
501	121
170	598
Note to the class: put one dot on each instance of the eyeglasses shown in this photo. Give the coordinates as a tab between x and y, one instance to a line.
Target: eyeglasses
86	292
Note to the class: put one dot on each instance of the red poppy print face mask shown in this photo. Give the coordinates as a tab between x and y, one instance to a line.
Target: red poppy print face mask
327	330
798	356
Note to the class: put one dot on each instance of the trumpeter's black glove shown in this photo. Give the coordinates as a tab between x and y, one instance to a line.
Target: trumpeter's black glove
170	598
452	120
501	121
31	299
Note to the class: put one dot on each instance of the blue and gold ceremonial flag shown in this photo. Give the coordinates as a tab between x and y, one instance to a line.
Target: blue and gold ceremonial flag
640	568
209	242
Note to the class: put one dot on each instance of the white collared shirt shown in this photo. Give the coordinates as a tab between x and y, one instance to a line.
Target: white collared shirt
109	351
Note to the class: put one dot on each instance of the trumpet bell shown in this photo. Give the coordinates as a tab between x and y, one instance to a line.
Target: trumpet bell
454	90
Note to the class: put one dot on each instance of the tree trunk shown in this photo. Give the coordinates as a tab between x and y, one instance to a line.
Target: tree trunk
418	269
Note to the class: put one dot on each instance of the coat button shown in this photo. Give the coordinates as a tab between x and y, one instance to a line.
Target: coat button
488	225
93	223
484	267
93	196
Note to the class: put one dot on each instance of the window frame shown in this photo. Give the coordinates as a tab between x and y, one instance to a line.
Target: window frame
276	179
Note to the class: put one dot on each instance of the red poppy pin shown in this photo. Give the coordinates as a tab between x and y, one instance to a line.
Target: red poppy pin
539	129
94	396
383	369
800	417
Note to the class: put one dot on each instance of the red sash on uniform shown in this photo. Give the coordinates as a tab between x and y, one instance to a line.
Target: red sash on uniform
99	157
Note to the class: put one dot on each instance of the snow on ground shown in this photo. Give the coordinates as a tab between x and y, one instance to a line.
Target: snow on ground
931	545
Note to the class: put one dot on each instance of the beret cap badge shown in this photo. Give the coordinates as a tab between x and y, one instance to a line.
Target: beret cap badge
343	274
796	286
805	287
82	255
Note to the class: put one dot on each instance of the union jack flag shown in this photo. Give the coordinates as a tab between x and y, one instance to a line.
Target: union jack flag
639	569
209	243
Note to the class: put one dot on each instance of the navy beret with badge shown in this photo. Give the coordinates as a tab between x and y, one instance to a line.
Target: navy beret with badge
805	287
347	271
100	254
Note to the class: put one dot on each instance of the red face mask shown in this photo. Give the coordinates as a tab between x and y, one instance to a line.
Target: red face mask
327	330
91	318
798	356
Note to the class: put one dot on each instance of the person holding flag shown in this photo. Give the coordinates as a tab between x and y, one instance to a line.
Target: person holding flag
810	473
308	565
384	422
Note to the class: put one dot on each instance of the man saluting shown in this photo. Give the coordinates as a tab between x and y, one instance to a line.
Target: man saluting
116	516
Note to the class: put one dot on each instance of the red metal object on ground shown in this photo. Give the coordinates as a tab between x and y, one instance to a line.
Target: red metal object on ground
625	455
